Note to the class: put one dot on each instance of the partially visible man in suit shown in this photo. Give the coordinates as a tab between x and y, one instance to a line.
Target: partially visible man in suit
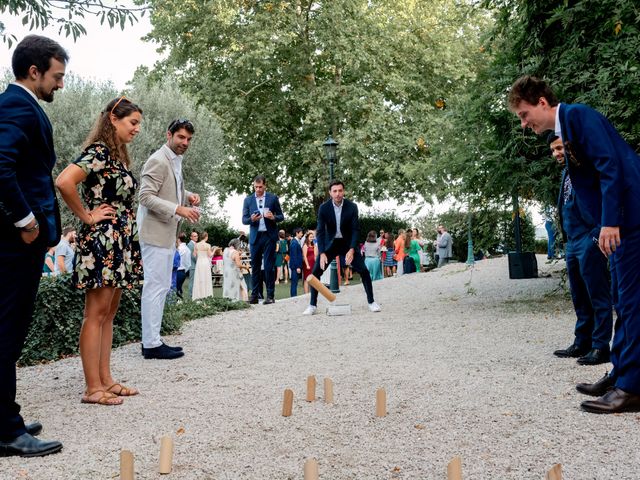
262	212
605	174
337	234
164	201
588	274
29	220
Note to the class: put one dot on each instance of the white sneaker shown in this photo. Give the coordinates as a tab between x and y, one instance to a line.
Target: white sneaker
311	310
374	307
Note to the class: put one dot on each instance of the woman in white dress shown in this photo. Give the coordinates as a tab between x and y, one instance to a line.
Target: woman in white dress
202	281
233	284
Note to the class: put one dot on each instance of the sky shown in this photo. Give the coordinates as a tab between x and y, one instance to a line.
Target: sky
106	54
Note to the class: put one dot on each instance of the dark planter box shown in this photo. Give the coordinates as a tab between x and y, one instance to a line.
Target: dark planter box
523	265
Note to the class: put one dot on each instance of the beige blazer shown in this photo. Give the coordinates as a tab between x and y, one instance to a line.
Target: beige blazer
158	196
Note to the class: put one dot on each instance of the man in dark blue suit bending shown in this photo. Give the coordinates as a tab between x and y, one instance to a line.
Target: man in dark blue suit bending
262	212
588	274
337	234
29	221
605	174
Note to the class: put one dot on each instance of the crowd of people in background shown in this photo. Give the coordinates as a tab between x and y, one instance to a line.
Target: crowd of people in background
197	263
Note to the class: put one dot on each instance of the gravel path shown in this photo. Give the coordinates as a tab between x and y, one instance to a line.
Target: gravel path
464	355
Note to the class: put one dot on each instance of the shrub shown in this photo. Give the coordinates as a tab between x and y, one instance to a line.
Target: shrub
58	315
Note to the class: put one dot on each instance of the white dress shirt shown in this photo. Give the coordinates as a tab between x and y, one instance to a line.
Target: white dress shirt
337	209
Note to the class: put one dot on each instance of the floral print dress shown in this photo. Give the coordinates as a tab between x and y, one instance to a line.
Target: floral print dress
108	252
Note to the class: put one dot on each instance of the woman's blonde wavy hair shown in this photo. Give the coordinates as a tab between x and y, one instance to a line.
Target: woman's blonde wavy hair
104	132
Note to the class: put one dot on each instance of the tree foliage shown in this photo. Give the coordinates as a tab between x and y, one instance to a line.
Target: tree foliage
590	53
76	107
67	14
282	74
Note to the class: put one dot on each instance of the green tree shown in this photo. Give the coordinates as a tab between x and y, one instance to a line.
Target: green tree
67	14
280	75
76	107
589	51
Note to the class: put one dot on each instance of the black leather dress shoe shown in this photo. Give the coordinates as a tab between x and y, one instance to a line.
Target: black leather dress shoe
175	349
574	351
595	357
268	301
599	388
253	300
163	352
614	401
34	428
28	446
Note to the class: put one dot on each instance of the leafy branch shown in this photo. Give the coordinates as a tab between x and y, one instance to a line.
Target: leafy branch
39	14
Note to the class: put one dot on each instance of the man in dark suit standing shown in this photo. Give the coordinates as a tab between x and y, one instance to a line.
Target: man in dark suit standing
588	274
337	234
262	212
605	174
295	260
30	221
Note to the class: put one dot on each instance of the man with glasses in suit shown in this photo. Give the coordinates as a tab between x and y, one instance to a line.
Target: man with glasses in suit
164	202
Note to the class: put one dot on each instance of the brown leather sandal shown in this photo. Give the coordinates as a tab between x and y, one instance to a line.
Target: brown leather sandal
106	398
122	390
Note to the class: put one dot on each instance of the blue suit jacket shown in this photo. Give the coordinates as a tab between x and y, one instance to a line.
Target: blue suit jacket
604	169
349	225
295	254
250	205
27	158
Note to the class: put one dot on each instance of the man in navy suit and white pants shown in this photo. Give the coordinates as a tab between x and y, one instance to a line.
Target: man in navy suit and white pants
262	212
337	234
29	221
605	174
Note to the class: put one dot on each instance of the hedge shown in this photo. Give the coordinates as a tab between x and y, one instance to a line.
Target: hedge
59	311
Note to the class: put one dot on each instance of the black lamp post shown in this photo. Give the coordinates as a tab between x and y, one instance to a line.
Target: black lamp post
331	154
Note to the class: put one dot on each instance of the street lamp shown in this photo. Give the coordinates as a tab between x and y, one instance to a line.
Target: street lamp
331	154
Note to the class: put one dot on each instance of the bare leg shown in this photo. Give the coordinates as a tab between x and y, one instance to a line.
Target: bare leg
96	314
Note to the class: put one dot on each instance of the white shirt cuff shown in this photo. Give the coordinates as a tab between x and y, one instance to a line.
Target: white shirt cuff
25	221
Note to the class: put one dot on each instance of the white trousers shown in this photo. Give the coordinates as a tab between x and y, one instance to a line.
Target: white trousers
157	263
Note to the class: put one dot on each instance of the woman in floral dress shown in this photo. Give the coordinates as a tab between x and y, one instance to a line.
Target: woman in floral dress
108	255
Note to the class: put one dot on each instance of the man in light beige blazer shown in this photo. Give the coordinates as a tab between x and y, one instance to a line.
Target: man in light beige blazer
164	202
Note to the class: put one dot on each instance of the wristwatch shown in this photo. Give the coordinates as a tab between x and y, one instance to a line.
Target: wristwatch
36	226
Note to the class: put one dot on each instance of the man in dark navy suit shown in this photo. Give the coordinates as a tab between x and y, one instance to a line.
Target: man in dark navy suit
337	234
30	221
295	260
605	174
262	212
588	274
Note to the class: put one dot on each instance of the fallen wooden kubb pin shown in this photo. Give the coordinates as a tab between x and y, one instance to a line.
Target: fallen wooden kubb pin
555	473
454	469
333	308
166	454
311	469
126	465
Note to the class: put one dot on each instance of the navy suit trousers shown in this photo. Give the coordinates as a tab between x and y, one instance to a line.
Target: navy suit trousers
591	293
20	274
340	247
264	246
625	273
